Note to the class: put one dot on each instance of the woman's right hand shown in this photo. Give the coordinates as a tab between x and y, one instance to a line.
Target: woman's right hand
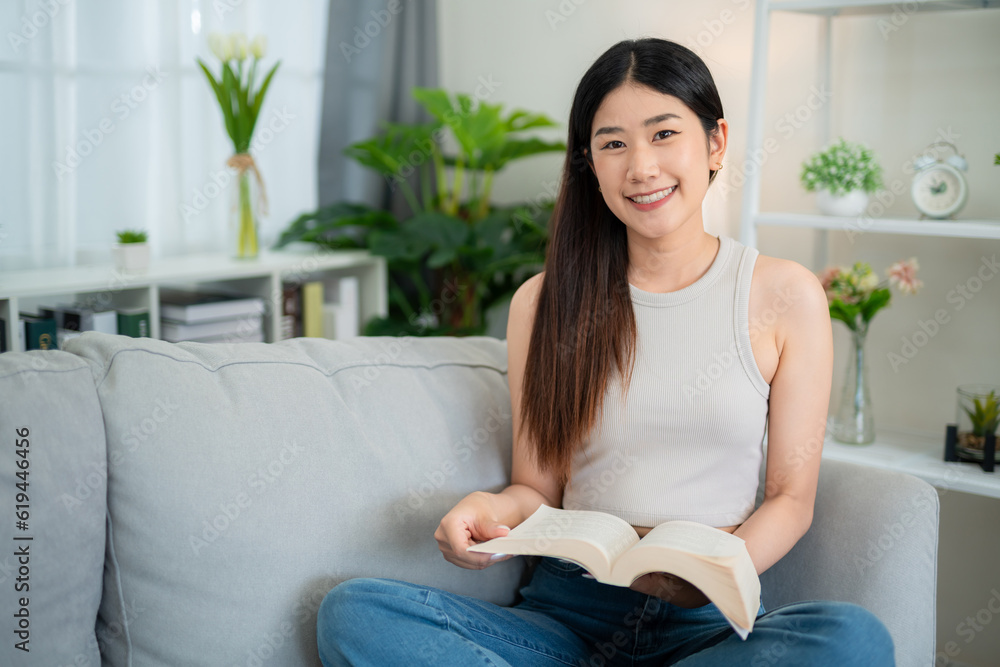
474	519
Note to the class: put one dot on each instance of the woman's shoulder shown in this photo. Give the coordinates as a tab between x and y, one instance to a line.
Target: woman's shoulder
784	277
523	305
526	296
794	295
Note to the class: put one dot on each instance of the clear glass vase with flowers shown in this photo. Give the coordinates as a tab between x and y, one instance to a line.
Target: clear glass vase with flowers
240	98
855	294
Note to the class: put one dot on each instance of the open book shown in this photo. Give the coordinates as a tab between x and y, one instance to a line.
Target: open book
714	561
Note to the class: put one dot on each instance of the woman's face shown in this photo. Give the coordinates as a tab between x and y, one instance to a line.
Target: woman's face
652	158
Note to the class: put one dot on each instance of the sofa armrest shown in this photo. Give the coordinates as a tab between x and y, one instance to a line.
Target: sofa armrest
873	542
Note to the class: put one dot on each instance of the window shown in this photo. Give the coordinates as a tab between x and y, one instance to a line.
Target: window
107	124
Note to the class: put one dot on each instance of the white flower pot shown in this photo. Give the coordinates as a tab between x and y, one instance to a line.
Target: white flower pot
849	205
131	257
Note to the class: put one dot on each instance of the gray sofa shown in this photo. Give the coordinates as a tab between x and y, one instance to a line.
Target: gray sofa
192	504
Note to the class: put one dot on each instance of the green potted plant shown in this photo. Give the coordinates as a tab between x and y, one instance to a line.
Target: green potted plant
842	175
131	252
456	253
978	416
240	98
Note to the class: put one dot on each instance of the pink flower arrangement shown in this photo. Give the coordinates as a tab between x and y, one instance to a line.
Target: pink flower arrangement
903	274
855	293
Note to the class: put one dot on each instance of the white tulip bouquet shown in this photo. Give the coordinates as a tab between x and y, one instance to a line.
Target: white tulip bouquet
240	100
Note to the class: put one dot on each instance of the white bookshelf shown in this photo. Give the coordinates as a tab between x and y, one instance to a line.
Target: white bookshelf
25	291
751	216
917	453
920	454
968	229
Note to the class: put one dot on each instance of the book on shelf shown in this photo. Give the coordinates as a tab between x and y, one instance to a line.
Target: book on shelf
291	311
237	327
712	560
134	322
40	333
81	318
191	307
348	318
312	309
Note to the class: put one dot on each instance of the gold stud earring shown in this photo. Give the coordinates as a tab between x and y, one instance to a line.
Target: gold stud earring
599	189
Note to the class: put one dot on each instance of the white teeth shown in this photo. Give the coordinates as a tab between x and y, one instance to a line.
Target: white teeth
656	196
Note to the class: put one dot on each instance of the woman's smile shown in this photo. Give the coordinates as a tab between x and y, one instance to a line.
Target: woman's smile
651	200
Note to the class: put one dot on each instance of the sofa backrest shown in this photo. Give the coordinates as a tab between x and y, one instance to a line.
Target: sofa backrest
53	473
245	481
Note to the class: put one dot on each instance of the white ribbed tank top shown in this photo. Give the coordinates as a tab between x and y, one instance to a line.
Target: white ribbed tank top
686	442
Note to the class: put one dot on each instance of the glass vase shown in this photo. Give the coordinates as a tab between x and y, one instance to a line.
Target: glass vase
854	423
244	216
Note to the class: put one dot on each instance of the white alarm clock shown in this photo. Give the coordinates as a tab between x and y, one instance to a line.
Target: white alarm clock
939	187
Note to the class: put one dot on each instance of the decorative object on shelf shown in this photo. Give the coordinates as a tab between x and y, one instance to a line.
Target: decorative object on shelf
973	435
843	175
131	253
457	254
855	294
939	189
240	103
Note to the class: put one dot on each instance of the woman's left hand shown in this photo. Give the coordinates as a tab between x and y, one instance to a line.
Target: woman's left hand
673	589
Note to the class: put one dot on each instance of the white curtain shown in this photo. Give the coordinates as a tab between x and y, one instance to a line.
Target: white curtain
106	123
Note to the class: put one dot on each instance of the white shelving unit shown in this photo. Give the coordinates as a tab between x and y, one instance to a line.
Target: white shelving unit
920	454
23	291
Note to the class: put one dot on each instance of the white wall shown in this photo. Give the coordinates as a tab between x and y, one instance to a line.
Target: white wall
896	86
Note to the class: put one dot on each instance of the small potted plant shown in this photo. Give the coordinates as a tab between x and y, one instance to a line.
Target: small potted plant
131	252
978	416
842	175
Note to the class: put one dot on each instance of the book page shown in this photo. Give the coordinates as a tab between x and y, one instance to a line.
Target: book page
695	538
550	532
714	561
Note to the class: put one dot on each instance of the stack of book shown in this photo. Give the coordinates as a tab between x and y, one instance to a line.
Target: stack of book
315	309
207	317
73	320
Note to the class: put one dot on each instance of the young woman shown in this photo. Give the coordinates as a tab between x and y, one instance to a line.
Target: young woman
644	365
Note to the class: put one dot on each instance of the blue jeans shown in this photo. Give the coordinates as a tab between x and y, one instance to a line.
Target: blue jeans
567	619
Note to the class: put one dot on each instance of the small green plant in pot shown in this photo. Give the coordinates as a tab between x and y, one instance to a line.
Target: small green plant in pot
131	253
978	416
842	175
456	253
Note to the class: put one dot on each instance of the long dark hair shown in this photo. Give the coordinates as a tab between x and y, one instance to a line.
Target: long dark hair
584	327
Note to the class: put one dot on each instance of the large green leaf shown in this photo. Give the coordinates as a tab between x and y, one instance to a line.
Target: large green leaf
341	225
397	150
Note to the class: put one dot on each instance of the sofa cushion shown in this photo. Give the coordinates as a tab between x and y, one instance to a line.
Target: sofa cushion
51	565
245	481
